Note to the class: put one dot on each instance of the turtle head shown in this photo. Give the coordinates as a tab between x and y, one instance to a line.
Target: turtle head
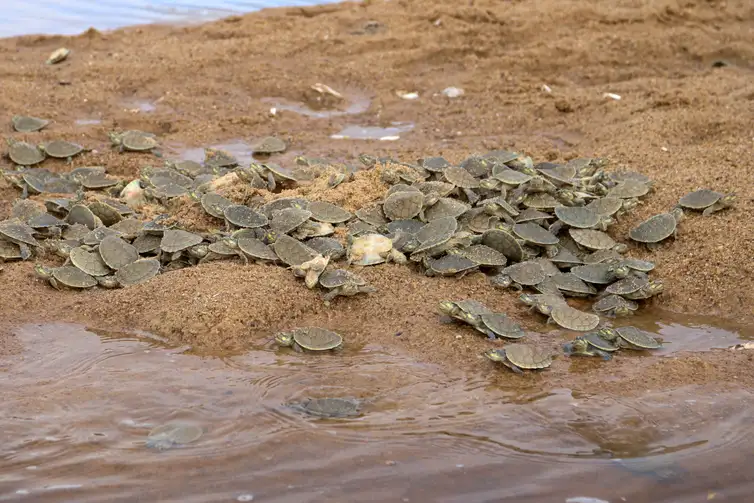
579	345
622	311
677	213
527	299
115	138
728	200
620	271
496	355
656	287
608	334
447	307
284	338
620	248
489	183
42	272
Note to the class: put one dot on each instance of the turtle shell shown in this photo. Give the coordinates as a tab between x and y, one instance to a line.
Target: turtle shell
526	273
89	261
600	256
654	229
106	213
138	141
592	239
95	237
243	216
502	326
541	201
435	188
175	240
322	211
129	228
446	207
292	251
147	243
317	339
473	307
25	154
638	338
18	232
505	243
256	249
329	407
598	274
138	271
442	227
434	164
484	255
288	219
460	177
27	124
373	215
334	278
532	215
9	251
218	158
627	285
577	216
527	357
215	204
403	205
117	253
73	277
80	214
637	265
328	247
629	189
369	249
573	319
598	342
168	435
605	206
613	301
565	257
450	265
570	283
268	145
700	199
501	203
62	149
536	234
509	176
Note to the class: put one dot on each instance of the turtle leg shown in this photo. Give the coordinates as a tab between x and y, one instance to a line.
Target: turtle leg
54	283
604	354
25	192
709	210
514	368
296	347
243	257
331	294
25	251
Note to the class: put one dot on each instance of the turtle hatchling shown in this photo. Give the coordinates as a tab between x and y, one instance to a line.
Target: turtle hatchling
707	201
309	338
520	356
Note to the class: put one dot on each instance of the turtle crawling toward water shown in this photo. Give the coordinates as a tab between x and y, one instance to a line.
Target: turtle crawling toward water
520	356
309	338
707	201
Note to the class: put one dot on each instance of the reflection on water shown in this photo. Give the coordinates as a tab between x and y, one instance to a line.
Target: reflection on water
69	17
391	133
357	104
78	408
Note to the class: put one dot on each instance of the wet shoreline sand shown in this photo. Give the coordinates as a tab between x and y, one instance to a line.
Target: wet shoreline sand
681	121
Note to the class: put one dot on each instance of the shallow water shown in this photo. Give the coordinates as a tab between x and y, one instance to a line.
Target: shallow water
69	17
78	407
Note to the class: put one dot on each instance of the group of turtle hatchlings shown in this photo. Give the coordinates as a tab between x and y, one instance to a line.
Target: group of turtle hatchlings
544	227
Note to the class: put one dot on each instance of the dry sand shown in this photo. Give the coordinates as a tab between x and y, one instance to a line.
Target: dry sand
681	120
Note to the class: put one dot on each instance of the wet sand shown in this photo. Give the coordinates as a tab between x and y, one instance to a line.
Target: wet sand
680	120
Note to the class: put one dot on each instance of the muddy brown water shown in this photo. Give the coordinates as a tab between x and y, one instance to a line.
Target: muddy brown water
78	407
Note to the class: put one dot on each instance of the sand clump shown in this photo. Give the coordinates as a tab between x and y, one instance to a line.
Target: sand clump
682	121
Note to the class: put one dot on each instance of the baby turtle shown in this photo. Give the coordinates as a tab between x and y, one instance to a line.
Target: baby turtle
582	346
24	154
657	228
630	338
520	356
500	325
11	251
340	282
61	149
535	234
527	273
483	255
117	253
288	219
573	319
577	216
65	276
58	55
628	189
708	201
171	434
268	145
627	286
403	205
371	249
175	240
329	407
505	243
451	264
309	338
600	274
134	141
467	311
595	240
322	211
614	305
88	261
243	216
215	204
292	251
543	302
138	271
27	124
571	285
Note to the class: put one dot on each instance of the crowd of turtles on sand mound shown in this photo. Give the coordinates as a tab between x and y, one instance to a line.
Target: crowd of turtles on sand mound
544	227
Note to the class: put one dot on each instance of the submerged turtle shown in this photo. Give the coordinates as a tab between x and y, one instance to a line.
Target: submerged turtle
329	407
309	338
520	356
169	435
706	200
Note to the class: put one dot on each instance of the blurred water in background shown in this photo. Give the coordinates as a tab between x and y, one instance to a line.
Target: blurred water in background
69	17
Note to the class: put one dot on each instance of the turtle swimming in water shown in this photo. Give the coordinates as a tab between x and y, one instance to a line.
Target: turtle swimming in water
329	407
171	434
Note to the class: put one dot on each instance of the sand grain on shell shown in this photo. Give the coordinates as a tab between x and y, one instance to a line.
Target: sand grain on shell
682	122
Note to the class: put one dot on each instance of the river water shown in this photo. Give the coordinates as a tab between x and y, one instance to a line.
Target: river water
78	406
69	17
